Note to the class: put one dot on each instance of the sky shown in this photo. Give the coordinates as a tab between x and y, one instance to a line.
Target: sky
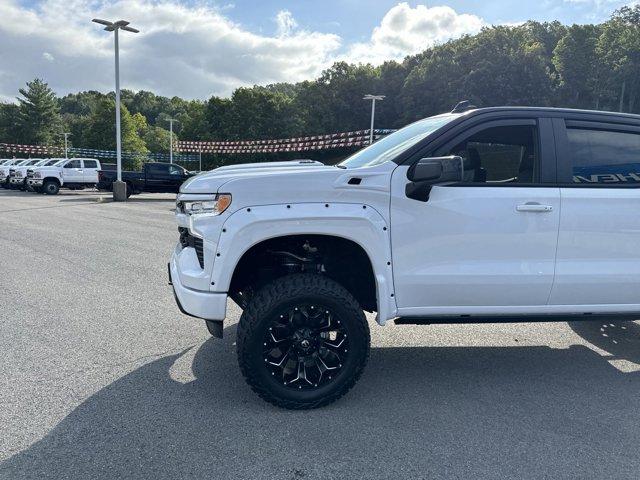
199	48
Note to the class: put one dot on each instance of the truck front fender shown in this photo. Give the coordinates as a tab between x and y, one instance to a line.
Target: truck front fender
359	223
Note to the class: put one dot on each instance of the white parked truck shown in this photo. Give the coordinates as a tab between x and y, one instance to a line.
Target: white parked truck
72	173
482	215
18	174
7	166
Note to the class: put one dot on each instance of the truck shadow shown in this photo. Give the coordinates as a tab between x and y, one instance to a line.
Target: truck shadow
620	339
518	412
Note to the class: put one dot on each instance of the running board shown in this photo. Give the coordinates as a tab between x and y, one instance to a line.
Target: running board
455	319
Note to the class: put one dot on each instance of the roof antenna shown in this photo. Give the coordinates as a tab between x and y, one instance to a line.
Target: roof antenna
463	106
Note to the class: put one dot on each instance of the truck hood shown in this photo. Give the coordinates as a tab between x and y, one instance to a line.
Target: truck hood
211	182
22	169
49	169
5	170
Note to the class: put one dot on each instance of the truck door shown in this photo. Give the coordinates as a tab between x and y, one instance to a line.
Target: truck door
598	259
90	169
72	172
489	241
157	177
177	176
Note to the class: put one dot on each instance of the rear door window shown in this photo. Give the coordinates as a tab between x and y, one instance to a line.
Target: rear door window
90	164
74	164
157	169
604	156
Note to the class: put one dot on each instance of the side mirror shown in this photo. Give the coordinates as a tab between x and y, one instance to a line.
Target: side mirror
437	170
428	172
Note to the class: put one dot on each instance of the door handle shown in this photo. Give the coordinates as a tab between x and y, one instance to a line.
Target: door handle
534	207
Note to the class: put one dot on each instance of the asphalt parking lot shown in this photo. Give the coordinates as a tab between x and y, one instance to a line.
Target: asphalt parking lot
102	377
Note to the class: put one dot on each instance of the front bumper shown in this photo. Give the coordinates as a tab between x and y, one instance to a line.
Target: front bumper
17	181
205	305
34	182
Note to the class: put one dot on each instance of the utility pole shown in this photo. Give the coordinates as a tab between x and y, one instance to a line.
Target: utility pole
66	150
119	188
200	155
373	99
624	84
171	120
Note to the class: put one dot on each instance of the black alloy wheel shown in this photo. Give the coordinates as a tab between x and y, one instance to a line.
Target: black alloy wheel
303	341
305	346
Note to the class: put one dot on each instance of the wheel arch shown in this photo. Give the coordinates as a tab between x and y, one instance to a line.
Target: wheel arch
358	225
51	178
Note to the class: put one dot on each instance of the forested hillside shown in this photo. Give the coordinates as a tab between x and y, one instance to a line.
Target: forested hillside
544	64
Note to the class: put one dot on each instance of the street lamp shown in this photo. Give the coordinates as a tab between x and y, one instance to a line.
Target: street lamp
119	188
171	120
66	150
373	99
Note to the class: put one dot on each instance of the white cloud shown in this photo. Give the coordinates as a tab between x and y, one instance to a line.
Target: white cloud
405	30
286	23
192	51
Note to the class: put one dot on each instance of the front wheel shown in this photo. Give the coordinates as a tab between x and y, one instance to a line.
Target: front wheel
303	341
51	187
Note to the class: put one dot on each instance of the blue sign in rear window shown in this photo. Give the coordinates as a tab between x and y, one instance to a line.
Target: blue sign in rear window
602	156
628	172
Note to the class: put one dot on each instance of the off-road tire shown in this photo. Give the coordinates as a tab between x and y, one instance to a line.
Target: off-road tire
255	320
50	187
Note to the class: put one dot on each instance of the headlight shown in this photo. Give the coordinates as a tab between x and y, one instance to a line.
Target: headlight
203	206
37	175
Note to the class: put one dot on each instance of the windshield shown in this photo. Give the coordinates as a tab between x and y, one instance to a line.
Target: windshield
59	162
392	145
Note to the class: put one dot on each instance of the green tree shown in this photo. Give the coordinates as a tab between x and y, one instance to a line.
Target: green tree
101	132
574	58
618	47
9	132
157	139
38	114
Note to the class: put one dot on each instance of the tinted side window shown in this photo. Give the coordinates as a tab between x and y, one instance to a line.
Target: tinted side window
73	164
90	164
157	169
601	156
175	170
507	154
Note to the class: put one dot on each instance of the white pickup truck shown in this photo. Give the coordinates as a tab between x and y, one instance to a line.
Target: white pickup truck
18	174
72	173
7	166
482	215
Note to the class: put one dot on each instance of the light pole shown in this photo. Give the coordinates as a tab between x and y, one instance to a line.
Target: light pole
119	188
66	150
171	120
373	99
